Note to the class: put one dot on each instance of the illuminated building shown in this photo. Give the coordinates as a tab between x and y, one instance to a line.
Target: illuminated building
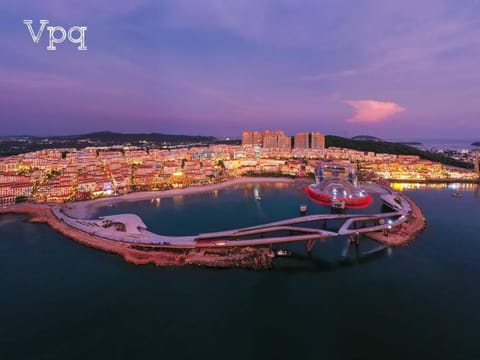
318	141
475	164
247	138
301	141
337	183
270	140
257	138
284	142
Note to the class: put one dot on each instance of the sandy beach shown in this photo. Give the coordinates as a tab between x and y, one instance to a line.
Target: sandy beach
84	209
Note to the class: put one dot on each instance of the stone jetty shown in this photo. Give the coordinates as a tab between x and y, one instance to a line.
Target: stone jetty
250	258
404	233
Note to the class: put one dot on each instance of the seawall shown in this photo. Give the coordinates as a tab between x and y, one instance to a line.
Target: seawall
251	258
406	232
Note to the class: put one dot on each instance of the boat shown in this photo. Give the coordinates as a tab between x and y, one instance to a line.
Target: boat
456	194
256	193
283	253
303	208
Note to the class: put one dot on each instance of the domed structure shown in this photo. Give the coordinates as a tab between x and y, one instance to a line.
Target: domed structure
337	184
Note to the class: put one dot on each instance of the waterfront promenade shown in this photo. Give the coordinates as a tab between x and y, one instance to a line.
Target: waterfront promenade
128	236
403	233
132	253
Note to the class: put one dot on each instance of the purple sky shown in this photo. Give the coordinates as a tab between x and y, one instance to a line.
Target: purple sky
389	68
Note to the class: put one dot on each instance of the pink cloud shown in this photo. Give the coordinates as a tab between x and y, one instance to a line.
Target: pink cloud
372	111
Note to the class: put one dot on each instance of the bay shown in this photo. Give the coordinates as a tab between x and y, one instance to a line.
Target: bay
61	300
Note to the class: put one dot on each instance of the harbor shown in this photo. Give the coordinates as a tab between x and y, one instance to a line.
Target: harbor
427	276
249	247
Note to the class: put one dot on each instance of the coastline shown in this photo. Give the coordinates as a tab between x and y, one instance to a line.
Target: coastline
83	209
406	232
245	257
248	258
434	181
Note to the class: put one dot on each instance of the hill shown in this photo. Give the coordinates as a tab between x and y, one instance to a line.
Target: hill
366	138
120	138
392	148
12	145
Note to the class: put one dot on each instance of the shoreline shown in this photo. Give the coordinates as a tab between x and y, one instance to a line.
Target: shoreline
405	233
83	209
247	258
434	181
257	258
243	257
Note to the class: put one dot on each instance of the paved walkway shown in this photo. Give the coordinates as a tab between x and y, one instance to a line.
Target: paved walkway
129	228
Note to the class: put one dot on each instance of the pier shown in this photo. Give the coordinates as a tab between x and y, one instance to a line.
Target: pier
126	234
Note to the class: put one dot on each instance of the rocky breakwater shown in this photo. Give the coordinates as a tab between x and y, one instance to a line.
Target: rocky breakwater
406	232
251	258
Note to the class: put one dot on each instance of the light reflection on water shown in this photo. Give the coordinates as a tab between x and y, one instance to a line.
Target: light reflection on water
395	305
398	186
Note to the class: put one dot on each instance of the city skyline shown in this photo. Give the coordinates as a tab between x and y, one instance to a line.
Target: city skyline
214	68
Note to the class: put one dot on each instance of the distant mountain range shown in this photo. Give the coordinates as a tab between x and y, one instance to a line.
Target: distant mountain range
11	145
386	147
376	139
109	136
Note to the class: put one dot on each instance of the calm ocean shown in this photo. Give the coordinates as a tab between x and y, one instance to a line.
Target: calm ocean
62	300
445	144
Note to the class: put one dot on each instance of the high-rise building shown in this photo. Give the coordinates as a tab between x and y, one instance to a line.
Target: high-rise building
278	140
247	138
284	142
301	141
257	138
270	139
317	141
252	138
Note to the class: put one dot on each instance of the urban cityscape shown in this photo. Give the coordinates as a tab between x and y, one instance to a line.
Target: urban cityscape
59	175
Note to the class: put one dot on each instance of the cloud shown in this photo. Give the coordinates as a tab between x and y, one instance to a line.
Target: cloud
372	111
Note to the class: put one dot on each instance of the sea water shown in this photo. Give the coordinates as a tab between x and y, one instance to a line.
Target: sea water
62	300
